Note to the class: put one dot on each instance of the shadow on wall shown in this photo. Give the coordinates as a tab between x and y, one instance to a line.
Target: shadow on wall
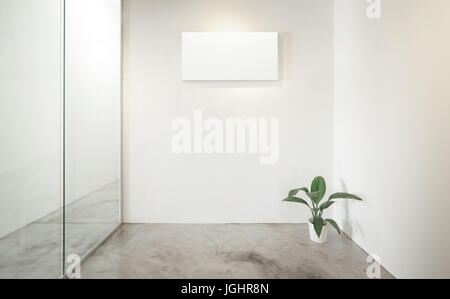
347	226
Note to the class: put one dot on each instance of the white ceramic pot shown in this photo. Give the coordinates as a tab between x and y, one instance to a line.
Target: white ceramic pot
313	234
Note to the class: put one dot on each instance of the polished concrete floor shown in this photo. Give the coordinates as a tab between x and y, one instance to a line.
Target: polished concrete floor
35	251
259	251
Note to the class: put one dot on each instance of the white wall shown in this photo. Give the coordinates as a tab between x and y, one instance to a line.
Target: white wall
163	187
30	111
392	138
93	78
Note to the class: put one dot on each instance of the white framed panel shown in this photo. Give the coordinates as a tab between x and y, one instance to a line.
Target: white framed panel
233	56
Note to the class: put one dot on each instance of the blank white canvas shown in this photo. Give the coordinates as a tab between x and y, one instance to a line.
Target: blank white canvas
217	56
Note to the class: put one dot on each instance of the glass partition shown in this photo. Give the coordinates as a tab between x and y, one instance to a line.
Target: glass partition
92	122
31	139
60	132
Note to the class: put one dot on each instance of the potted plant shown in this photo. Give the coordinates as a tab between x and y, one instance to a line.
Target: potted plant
318	226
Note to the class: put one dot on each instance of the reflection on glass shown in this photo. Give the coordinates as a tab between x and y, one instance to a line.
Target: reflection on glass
92	122
30	136
33	237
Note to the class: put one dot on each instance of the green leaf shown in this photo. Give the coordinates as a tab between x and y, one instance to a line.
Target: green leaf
318	225
296	191
316	212
319	185
334	224
296	200
342	195
326	205
315	196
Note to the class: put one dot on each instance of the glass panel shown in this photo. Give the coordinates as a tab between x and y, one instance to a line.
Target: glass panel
31	142
92	122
